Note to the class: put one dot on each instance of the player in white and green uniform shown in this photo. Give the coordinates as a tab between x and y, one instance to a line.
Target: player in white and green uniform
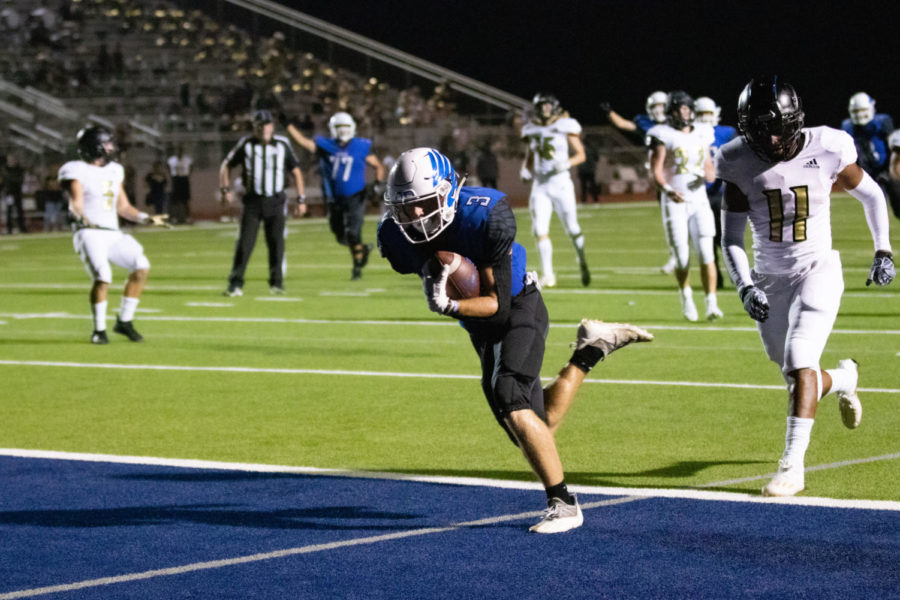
680	165
548	138
97	199
779	175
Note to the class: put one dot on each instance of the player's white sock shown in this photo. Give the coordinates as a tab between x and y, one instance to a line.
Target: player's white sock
578	240
98	310
128	307
796	440
842	380
711	301
545	250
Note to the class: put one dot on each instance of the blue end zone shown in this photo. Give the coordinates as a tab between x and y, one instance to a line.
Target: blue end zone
68	521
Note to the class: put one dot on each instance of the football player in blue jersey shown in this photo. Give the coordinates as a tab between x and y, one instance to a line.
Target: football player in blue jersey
344	158
707	111
429	209
871	131
641	123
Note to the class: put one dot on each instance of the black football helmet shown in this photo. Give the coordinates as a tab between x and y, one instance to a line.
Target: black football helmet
675	101
770	118
540	100
96	142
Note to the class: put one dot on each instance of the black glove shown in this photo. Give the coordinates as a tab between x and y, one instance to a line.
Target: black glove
755	302
606	108
882	271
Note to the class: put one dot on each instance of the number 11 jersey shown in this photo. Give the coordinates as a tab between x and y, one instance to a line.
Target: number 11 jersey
790	201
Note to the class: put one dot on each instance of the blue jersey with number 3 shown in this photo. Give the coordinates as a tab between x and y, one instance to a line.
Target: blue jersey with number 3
346	168
483	230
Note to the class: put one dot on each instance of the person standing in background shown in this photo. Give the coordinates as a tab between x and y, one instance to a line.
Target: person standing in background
180	168
267	161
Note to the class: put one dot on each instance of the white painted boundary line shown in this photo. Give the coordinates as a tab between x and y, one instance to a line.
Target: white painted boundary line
700	328
341	372
629	495
688	493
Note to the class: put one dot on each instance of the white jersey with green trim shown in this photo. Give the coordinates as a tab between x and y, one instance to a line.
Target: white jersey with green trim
686	151
790	201
101	187
550	144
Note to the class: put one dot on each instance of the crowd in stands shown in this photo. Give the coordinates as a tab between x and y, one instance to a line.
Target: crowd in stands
194	70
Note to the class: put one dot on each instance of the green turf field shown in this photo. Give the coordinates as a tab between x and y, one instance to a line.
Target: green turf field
360	375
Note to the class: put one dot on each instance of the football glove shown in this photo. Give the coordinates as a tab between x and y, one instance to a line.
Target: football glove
525	174
159	221
755	302
882	271
436	292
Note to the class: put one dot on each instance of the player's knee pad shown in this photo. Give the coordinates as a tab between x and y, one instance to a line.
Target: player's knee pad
354	238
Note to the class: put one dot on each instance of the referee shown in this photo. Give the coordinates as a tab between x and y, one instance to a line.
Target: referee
266	159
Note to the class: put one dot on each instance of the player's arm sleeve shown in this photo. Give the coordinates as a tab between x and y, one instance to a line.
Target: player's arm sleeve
871	196
734	223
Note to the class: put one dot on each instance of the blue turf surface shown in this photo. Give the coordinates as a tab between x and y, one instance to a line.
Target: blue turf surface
66	521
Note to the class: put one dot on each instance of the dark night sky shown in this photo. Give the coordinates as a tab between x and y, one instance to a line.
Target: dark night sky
620	50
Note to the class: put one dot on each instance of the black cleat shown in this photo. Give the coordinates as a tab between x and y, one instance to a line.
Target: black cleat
356	274
364	260
126	328
99	337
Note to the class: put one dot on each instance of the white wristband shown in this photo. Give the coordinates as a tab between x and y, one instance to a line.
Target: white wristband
143	217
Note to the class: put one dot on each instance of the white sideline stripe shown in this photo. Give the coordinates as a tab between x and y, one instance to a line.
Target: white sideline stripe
627	495
700	327
688	493
342	372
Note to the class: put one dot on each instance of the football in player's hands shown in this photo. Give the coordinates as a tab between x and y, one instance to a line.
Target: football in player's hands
462	281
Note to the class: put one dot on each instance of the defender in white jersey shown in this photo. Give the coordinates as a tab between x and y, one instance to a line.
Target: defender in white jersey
779	175
548	137
680	165
96	201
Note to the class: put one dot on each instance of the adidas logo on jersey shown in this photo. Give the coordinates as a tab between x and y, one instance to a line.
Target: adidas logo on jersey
812	164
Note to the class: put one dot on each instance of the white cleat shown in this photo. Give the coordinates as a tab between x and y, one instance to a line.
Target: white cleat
608	337
547	281
669	267
848	402
787	482
688	308
713	313
559	517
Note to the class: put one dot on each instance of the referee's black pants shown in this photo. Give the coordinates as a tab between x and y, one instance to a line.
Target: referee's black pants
271	210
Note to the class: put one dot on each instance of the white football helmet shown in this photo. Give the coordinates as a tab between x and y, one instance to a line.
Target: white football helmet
707	111
656	106
861	108
342	127
422	189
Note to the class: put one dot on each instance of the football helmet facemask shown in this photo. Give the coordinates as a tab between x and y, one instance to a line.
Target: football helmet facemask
656	106
707	111
861	108
422	190
342	127
96	142
676	117
770	118
543	99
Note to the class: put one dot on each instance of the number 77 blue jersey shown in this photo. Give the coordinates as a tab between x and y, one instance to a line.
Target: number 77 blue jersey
346	170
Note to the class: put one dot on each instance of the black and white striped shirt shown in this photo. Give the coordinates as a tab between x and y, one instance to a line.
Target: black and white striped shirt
266	166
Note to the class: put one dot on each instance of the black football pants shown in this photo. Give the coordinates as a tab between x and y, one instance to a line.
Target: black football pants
271	211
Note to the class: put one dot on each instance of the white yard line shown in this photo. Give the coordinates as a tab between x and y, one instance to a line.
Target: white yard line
407	375
437	322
